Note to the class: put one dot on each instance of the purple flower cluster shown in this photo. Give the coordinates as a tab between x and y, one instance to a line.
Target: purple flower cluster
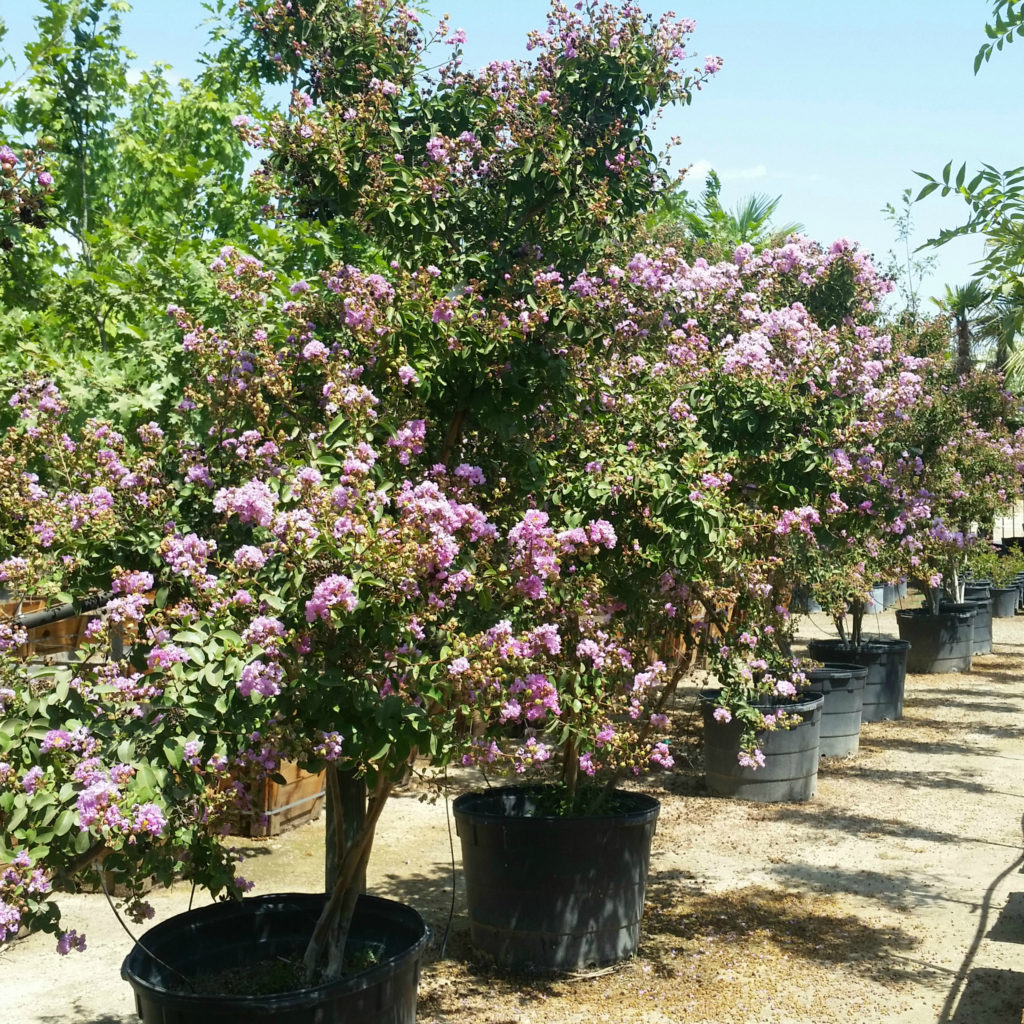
253	502
334	591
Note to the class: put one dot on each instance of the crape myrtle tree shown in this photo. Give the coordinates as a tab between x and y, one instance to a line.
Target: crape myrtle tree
526	167
476	493
336	546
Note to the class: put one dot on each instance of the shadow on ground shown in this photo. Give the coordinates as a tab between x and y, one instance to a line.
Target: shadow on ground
681	919
990	997
1009	926
899	890
79	1016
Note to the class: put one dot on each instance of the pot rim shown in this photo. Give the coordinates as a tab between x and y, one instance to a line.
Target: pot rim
875	644
805	700
645	807
297	999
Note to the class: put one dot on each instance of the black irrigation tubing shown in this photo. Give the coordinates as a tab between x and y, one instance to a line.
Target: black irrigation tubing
59	612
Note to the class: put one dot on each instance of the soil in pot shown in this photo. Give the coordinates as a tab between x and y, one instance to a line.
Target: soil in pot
225	938
553	893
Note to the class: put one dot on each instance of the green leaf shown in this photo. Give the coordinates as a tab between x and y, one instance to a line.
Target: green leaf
64	821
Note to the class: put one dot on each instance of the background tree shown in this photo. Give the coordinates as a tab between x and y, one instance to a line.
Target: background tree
960	303
707	229
149	179
906	267
995	202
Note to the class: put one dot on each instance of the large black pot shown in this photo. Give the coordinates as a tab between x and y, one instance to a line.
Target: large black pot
550	892
226	935
803	601
1004	602
938	643
842	686
980	595
790	771
886	662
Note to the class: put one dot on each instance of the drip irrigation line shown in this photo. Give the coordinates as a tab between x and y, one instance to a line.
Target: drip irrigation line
138	942
451	848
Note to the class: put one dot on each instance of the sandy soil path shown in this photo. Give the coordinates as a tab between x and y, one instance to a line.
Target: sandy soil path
896	895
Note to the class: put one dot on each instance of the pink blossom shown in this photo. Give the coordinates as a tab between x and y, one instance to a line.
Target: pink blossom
334	590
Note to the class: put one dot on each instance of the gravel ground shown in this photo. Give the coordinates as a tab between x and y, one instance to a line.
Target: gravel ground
895	895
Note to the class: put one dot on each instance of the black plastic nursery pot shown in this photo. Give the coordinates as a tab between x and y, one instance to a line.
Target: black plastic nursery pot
804	601
886	662
980	595
1004	602
554	893
842	686
222	936
938	643
790	771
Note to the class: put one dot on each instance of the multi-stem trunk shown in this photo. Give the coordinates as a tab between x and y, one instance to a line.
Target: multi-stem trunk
325	954
857	621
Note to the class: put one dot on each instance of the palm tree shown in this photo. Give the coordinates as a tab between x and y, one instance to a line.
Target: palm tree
1003	325
750	221
713	227
960	303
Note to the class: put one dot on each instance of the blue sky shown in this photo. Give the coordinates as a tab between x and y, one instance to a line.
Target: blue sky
831	105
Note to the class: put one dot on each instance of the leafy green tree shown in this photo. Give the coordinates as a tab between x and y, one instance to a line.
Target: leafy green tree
995	201
1008	23
149	177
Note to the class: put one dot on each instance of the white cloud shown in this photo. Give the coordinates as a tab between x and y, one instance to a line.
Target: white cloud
745	173
698	170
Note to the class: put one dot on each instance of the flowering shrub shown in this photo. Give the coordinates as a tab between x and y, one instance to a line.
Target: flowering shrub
472	171
717	424
299	579
968	471
25	184
494	523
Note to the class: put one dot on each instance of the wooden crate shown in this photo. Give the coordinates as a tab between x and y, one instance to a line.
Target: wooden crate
58	640
9	609
55	640
278	808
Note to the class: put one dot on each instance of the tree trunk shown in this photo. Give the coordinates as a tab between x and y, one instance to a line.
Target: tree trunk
963	345
347	815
